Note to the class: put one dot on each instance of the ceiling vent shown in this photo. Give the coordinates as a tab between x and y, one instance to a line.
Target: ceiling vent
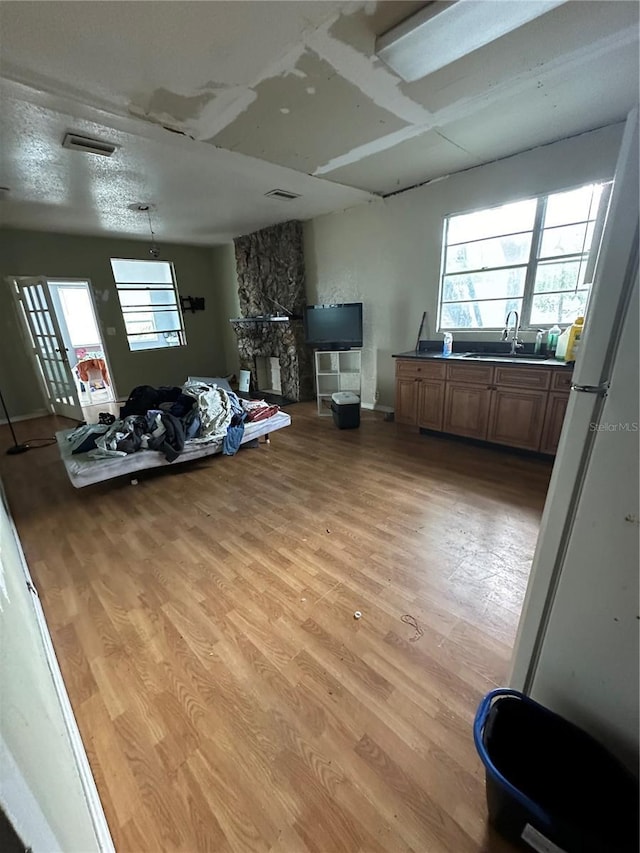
88	145
283	195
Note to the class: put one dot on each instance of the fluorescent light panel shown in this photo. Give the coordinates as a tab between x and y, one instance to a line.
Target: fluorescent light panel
443	32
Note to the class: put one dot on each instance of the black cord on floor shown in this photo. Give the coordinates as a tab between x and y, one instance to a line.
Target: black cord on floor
47	442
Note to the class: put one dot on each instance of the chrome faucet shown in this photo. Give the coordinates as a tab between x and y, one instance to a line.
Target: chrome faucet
515	343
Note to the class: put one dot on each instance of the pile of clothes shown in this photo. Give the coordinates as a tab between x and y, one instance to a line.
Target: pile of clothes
165	418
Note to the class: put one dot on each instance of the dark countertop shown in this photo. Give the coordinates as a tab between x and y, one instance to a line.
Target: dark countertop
487	359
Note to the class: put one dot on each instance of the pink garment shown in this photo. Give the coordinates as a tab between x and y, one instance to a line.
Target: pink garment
92	364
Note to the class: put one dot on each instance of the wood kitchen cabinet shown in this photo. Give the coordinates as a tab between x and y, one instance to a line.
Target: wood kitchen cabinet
406	411
518	405
430	404
467	399
419	393
556	409
512	404
517	417
466	409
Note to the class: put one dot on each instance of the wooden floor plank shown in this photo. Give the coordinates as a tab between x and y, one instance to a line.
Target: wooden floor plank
204	623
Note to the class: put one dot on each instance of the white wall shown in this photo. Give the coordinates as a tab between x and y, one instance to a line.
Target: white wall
40	784
387	253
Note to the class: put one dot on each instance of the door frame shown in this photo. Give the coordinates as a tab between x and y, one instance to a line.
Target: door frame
92	297
12	282
17	283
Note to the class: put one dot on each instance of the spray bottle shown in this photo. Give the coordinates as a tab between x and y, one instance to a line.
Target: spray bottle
552	339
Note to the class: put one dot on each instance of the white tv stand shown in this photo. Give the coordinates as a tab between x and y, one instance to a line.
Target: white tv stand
336	370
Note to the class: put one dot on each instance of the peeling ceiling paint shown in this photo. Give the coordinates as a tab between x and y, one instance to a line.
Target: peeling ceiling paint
308	133
269	92
170	107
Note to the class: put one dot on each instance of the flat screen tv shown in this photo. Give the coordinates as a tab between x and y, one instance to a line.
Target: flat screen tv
333	327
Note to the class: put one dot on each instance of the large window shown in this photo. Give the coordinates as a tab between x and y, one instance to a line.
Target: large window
534	256
149	301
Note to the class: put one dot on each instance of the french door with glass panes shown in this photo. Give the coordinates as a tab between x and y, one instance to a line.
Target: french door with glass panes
47	345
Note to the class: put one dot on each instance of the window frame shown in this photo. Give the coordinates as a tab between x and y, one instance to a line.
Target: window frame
533	261
131	287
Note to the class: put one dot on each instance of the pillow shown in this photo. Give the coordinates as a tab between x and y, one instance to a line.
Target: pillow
220	381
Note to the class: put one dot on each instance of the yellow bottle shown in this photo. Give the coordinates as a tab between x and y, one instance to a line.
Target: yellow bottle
573	344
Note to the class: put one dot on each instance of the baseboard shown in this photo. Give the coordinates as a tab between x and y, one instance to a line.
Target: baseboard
376	407
39	413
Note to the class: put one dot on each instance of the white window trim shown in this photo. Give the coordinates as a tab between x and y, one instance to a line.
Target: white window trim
139	286
532	264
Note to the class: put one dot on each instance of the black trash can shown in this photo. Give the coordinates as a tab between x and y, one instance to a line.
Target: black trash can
345	406
550	785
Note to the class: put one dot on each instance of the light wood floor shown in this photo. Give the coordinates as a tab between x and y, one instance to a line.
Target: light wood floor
227	698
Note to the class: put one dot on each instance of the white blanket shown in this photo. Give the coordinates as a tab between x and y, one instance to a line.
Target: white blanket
215	410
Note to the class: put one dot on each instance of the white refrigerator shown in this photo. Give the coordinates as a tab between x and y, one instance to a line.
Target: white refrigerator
577	649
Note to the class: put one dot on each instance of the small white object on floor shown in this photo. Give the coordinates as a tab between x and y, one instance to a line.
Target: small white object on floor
357	615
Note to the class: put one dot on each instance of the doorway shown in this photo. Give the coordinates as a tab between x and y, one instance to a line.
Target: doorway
64	337
73	304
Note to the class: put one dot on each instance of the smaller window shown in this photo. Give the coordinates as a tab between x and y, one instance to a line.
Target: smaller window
149	301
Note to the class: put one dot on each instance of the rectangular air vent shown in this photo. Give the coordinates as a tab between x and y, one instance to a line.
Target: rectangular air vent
90	146
284	195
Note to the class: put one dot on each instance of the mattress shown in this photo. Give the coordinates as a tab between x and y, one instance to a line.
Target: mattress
83	470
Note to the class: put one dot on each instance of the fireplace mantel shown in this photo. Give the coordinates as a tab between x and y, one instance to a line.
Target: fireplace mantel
266	318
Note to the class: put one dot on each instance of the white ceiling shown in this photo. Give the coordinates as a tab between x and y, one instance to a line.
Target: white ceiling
275	94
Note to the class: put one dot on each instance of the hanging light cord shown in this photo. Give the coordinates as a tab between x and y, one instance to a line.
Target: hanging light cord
154	247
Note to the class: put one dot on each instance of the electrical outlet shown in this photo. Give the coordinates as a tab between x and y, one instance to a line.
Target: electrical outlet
376	396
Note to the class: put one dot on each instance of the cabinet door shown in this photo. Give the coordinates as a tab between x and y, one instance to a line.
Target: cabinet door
562	379
418	368
406	401
517	417
556	408
430	404
536	378
473	373
466	409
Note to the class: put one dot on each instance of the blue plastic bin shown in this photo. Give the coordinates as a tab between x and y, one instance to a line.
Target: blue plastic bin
550	786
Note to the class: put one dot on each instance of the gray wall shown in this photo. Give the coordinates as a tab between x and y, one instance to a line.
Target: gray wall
224	270
387	254
60	255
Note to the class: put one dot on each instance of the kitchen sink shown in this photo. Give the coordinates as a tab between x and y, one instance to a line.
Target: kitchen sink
488	356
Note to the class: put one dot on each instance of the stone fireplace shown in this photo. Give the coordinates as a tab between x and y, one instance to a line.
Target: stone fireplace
270	269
